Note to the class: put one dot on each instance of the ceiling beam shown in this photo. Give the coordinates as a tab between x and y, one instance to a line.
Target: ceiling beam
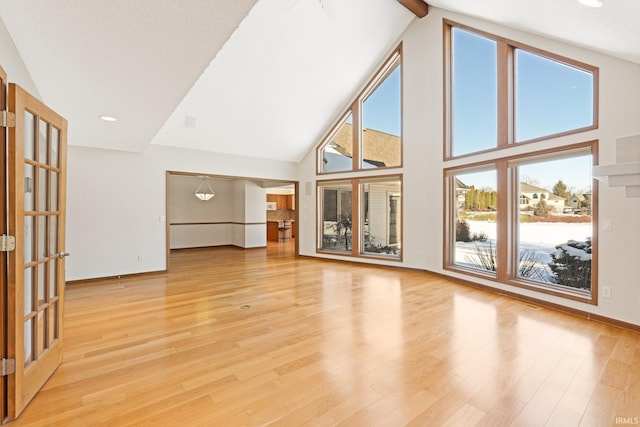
418	7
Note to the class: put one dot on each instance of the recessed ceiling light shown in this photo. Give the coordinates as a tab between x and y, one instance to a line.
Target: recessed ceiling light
108	118
591	3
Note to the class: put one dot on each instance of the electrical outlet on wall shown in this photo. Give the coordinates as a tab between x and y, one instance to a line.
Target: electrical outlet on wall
606	292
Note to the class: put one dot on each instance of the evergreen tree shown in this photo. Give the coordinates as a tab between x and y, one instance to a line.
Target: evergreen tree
560	189
541	208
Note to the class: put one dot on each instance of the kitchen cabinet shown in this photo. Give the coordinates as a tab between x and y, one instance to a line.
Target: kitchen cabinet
282	201
274	234
272	231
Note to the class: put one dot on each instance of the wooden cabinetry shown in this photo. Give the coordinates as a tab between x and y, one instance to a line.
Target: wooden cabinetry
272	231
275	234
283	201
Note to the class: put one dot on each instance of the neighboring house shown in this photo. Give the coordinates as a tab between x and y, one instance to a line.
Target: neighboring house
334	160
578	201
530	196
461	191
380	148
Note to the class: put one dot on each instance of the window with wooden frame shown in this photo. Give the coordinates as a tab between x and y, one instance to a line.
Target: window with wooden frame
528	219
473	213
335	201
500	92
381	216
361	217
369	133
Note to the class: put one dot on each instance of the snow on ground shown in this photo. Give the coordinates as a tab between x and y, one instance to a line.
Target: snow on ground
541	237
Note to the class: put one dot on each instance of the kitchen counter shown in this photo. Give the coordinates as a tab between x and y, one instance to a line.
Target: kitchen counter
273	230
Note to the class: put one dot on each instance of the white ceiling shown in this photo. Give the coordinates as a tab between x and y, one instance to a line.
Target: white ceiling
261	79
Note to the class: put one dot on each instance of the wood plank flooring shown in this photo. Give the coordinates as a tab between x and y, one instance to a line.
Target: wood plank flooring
236	337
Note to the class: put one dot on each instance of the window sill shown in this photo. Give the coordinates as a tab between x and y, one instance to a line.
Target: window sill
588	297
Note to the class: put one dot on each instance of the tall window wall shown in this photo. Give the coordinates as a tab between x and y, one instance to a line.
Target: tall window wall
362	215
524	219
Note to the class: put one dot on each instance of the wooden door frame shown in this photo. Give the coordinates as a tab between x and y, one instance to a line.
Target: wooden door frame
3	256
168	173
26	381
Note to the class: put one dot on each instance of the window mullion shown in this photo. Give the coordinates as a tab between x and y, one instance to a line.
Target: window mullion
502	232
505	93
355	217
356	149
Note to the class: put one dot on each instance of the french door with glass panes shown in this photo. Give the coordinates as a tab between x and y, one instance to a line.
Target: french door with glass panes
3	256
36	183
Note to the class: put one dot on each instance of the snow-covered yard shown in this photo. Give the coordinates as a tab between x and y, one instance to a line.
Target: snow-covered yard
539	237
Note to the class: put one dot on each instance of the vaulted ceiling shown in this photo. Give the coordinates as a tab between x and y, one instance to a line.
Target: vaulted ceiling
261	79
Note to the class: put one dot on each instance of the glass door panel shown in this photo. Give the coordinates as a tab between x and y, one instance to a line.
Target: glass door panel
43	144
37	152
53	235
28	291
55	141
29	136
42	189
54	192
53	292
28	340
28	239
42	230
52	329
29	200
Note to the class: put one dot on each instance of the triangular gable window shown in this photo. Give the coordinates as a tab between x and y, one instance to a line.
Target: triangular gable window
368	136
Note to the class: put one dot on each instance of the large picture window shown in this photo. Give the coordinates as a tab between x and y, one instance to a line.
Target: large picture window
381	216
475	200
336	154
381	121
552	97
368	136
361	217
337	216
474	119
524	219
501	92
555	230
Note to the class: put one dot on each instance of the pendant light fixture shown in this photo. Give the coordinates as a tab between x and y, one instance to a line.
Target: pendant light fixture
204	191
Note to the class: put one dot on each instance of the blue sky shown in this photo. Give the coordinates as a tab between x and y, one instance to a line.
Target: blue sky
381	110
550	97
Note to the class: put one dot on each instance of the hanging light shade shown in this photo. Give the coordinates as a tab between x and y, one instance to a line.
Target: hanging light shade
204	191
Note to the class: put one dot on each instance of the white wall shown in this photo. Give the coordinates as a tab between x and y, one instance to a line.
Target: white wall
249	215
237	236
185	210
11	62
116	203
619	249
255	217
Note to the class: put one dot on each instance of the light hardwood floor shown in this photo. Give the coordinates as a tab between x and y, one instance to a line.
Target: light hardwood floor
237	337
